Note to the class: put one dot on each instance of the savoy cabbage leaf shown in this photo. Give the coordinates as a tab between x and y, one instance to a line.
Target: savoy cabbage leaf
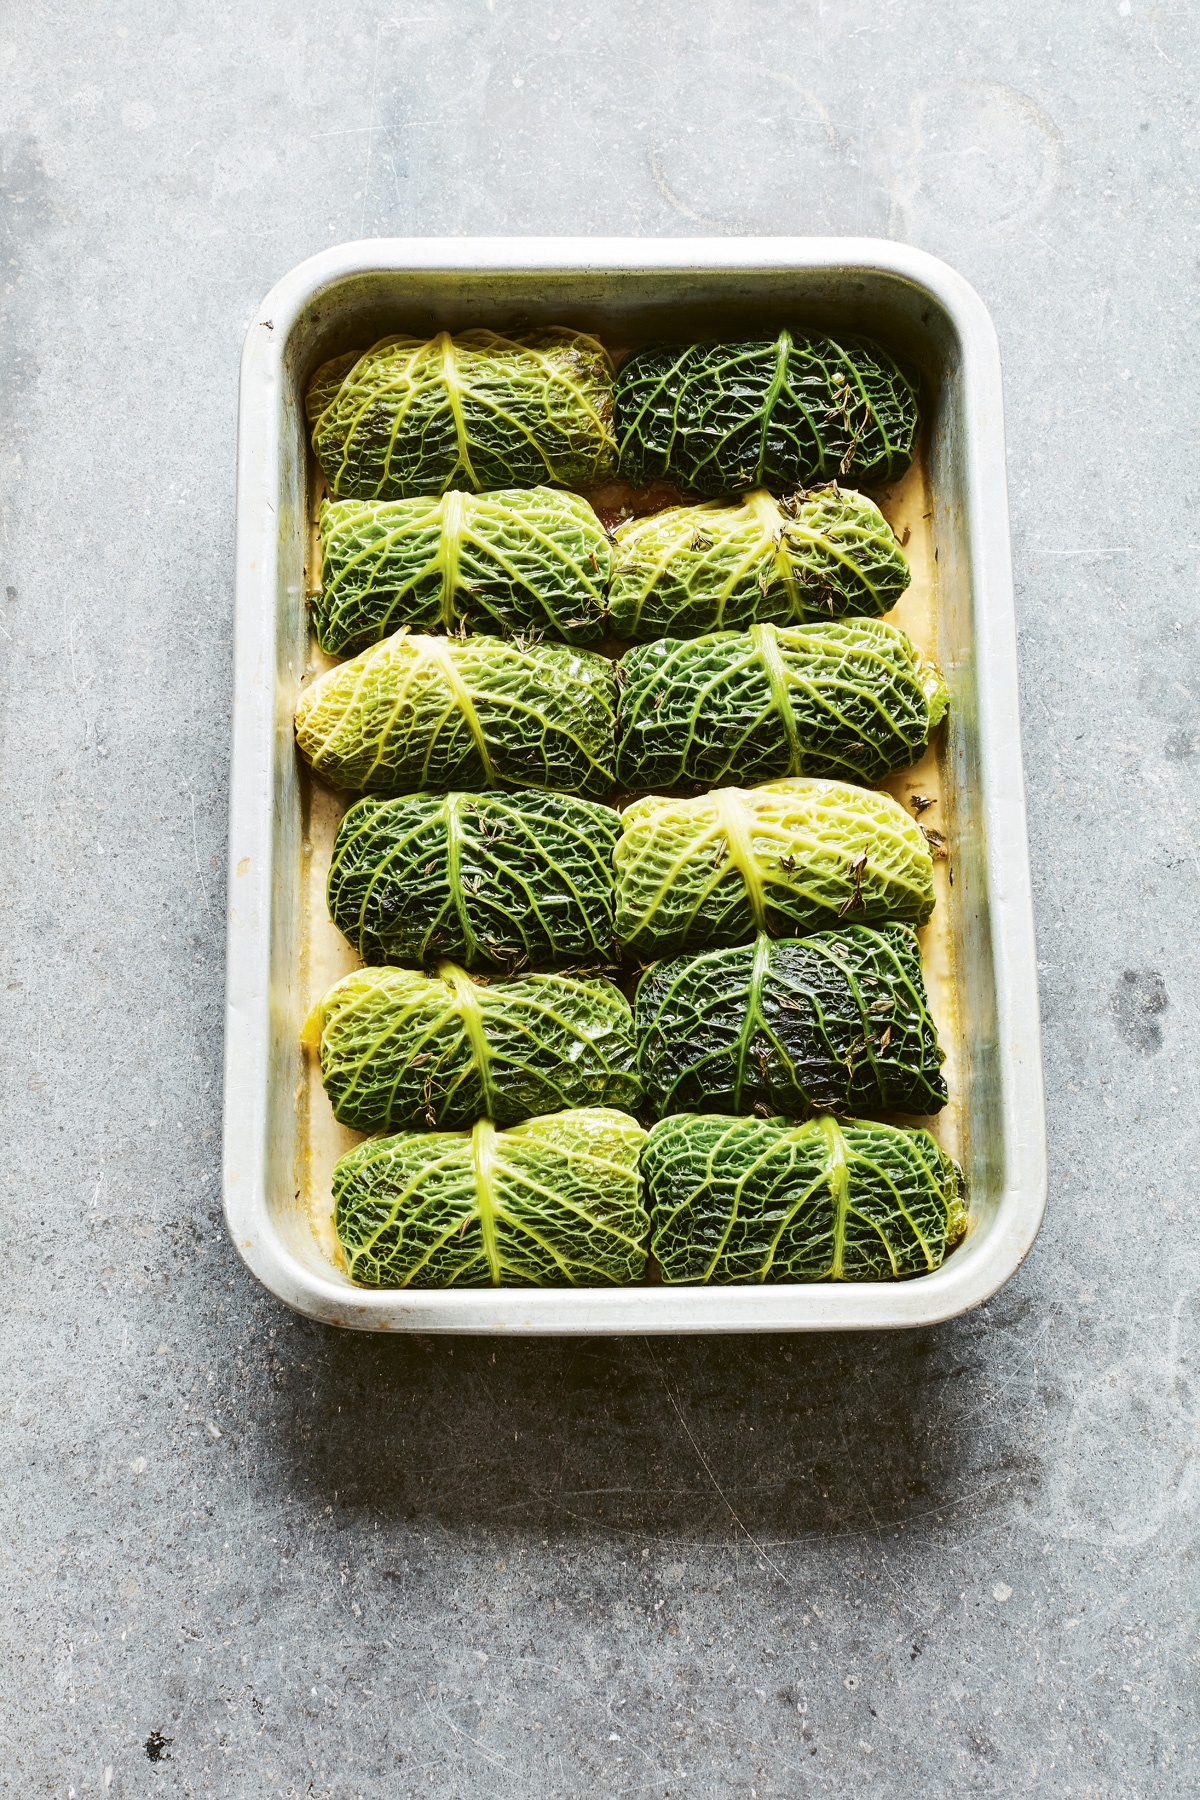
848	697
399	1048
789	856
554	1202
491	880
433	712
837	1021
520	560
754	1200
415	416
779	413
696	569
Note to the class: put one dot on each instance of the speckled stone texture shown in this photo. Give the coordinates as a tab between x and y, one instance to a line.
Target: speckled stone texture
246	1557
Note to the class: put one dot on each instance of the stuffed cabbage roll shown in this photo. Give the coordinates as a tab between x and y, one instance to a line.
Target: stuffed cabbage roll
834	1022
519	560
399	1048
755	1200
435	712
787	857
697	569
478	411
851	697
555	1202
778	413
487	879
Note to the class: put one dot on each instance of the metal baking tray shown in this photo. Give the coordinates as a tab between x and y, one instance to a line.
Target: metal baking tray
280	1137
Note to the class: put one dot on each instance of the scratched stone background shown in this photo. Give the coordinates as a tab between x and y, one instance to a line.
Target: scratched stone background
245	1556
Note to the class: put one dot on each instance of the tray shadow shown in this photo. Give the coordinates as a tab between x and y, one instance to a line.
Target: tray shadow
751	1440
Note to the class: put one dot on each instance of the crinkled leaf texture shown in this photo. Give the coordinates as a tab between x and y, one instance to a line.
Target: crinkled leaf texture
850	697
399	1048
716	566
834	1022
790	856
750	1200
555	1202
434	712
414	416
519	560
779	413
491	880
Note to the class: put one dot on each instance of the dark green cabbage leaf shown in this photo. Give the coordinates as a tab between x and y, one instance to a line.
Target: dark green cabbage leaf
834	1022
696	569
436	712
415	416
848	697
790	856
555	1202
491	880
523	559
750	1200
399	1048
779	413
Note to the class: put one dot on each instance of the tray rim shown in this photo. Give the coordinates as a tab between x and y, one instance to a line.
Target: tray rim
981	1266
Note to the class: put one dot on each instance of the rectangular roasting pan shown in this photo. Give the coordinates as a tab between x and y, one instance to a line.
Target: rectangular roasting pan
979	950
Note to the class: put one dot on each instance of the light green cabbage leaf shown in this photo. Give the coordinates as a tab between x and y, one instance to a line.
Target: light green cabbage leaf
789	856
414	416
435	712
756	1200
399	1048
487	879
521	560
851	697
834	1022
696	569
555	1202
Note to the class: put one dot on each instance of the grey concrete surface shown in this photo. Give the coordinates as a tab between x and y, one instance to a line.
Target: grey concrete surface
247	1557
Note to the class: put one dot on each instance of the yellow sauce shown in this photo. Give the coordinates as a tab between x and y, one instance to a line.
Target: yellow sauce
908	506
